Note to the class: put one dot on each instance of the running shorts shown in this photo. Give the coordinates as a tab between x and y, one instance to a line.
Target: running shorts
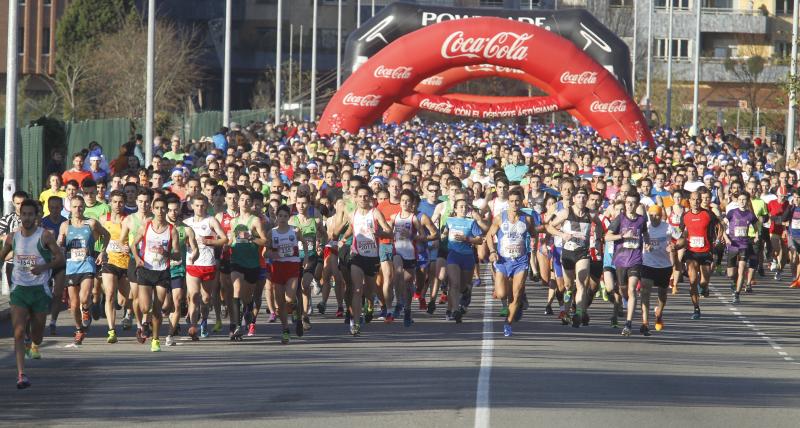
386	252
569	259
704	259
623	273
464	261
369	265
153	278
282	272
512	267
557	268
203	273
32	297
656	277
113	270
75	279
250	274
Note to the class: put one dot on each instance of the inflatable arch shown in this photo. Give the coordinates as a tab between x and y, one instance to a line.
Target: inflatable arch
438	84
393	73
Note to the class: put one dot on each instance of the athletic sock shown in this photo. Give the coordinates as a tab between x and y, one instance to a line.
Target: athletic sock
236	312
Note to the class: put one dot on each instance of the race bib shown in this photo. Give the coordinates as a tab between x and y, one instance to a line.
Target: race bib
796	223
697	242
512	250
454	235
367	247
24	263
630	244
77	254
114	247
740	231
286	250
658	244
243	237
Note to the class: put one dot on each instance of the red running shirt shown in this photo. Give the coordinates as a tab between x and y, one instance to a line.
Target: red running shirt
699	229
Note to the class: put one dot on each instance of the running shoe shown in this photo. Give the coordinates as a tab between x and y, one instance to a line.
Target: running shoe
321	308
86	318
236	334
614	321
736	299
585	319
52	329
146	330
407	318
155	345
251	329
203	329
193	333
749	289
704	291
389	318
458	316
507	330
626	331
355	330
504	311
567	296
476	282
285	337
273	317
34	352
140	335
443	298
448	316
659	323
217	326
576	320
431	308
696	314
382	314
423	305
777	276
95	311
548	310
369	314
604	294
22	381
644	330
416	296
112	336
79	336
127	323
316	286
339	312
306	323
298	328
170	340
773	265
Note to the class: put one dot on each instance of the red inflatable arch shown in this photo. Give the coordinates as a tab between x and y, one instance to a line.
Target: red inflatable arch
438	84
395	71
483	109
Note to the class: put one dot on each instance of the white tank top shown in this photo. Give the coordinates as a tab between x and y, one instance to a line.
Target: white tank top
364	242
404	234
202	229
498	207
286	245
27	254
156	247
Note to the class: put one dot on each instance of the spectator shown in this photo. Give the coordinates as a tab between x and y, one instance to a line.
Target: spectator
77	172
176	154
53	189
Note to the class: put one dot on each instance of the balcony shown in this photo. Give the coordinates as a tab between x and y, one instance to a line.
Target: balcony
713	70
713	20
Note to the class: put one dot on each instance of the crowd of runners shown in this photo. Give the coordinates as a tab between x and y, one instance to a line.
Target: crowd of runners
273	224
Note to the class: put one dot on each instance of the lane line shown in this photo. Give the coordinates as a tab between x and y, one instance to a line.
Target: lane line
774	345
482	398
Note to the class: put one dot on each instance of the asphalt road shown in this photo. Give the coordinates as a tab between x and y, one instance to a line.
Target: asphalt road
737	367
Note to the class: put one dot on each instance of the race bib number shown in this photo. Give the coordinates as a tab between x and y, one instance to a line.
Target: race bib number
368	247
630	244
243	237
24	263
796	223
697	242
77	254
658	244
570	245
740	231
455	235
512	250
286	250
114	247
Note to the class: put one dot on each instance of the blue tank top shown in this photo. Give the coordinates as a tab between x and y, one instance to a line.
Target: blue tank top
513	239
53	226
79	246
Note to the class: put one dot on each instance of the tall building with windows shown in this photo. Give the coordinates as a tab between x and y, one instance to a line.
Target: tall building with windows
36	23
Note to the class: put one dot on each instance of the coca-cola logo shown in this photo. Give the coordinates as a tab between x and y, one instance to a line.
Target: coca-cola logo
615	106
398	73
585	78
504	45
491	68
433	81
441	107
361	100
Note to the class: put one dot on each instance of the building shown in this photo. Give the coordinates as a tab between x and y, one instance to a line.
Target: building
36	23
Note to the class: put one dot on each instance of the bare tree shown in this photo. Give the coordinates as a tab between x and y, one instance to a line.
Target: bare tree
71	82
118	69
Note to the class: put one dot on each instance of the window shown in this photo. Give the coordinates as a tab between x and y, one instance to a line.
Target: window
621	3
676	4
718	4
21	40
784	7
46	41
680	48
783	49
48	2
491	3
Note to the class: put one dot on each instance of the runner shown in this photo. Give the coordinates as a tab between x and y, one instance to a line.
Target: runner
177	269
310	225
52	223
284	254
78	236
508	236
390	284
697	225
201	279
740	245
131	226
225	284
35	256
158	241
114	271
656	267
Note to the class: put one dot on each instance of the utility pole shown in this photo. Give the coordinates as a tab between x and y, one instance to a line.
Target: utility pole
226	79
790	123
669	65
10	160
278	65
695	130
313	113
151	66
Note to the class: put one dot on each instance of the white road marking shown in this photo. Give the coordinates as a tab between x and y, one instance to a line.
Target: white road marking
482	398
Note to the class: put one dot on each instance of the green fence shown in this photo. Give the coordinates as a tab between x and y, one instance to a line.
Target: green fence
29	159
207	123
111	134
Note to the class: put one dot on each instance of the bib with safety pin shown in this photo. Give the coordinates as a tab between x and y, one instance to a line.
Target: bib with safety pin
77	254
740	231
796	223
697	242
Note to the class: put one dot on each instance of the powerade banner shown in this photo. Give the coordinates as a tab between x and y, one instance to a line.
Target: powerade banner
576	25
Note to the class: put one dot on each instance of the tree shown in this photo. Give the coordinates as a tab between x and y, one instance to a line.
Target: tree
77	35
118	69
